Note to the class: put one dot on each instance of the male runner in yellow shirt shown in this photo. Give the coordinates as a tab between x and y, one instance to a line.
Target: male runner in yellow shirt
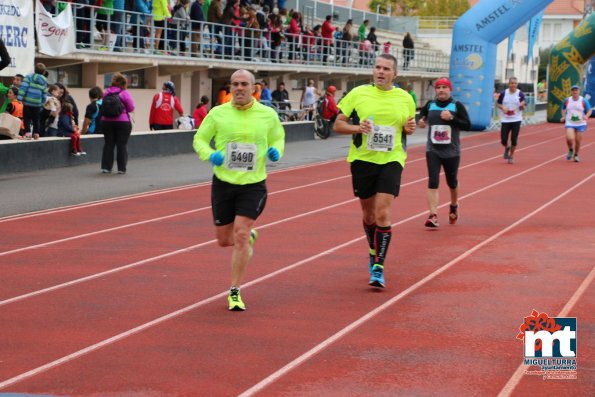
382	115
245	133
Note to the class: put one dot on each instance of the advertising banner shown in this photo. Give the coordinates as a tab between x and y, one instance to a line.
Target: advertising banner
55	35
16	30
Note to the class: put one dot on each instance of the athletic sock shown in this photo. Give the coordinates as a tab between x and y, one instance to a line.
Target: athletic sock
383	235
370	235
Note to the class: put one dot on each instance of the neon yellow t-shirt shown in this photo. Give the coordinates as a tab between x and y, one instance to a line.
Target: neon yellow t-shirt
389	111
243	137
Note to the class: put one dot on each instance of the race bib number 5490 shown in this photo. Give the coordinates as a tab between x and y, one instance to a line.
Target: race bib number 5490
240	156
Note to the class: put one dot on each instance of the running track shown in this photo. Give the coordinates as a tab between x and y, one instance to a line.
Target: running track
127	297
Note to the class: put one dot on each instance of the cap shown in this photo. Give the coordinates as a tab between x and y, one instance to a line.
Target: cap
575	87
443	81
332	89
168	85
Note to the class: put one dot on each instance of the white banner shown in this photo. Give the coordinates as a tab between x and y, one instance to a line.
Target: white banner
16	30
55	35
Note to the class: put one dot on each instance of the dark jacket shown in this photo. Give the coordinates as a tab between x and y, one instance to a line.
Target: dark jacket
4	56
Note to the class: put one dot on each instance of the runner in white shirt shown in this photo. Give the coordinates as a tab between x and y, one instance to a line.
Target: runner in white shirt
511	103
575	112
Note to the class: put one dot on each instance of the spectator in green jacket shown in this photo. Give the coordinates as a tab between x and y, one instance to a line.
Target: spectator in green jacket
362	31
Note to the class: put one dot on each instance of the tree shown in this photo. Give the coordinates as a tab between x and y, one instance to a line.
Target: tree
426	8
544	59
398	7
443	8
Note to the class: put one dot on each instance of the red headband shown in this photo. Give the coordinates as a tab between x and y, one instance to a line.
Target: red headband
443	81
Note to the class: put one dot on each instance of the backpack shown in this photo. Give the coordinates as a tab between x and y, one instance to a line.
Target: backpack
93	124
185	123
112	105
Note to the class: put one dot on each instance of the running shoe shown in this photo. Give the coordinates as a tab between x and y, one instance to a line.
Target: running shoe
506	155
253	238
510	160
377	277
235	301
370	264
577	159
432	221
453	215
569	155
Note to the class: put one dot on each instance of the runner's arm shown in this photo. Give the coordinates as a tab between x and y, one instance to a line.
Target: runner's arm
342	126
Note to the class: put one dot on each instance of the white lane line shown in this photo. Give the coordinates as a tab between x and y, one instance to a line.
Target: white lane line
152	259
90	234
202	184
517	376
155	258
351	327
313	351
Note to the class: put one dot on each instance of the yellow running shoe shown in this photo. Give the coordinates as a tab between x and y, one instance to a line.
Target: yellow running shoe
235	300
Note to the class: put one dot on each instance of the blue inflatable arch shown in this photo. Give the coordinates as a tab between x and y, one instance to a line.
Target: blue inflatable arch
475	40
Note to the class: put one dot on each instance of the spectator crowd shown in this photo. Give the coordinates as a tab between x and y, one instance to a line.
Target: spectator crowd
239	29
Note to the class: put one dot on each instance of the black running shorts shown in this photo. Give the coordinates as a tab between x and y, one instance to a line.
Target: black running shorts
370	178
229	200
512	130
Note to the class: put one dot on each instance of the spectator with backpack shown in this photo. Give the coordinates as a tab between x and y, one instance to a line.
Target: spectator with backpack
116	124
33	92
161	116
92	112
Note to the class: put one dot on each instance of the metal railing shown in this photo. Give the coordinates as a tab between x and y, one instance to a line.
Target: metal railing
436	24
134	34
343	13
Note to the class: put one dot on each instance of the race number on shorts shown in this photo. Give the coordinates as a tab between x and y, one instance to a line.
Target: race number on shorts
440	134
382	138
240	156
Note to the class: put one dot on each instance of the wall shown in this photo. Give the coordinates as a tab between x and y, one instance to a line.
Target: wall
21	156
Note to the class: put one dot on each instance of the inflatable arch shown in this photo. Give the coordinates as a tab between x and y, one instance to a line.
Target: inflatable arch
566	65
475	40
589	92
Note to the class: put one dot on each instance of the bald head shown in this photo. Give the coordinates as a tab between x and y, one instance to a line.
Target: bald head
242	86
244	72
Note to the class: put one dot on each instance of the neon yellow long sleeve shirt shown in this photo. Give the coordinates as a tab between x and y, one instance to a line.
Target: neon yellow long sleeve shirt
258	127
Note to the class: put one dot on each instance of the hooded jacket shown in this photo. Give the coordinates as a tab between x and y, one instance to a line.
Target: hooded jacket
33	90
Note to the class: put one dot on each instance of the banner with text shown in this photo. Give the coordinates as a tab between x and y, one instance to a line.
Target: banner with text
16	30
55	35
534	25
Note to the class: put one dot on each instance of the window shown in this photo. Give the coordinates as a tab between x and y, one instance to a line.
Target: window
136	78
70	76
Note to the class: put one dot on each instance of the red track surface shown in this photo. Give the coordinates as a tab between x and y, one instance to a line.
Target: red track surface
107	300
